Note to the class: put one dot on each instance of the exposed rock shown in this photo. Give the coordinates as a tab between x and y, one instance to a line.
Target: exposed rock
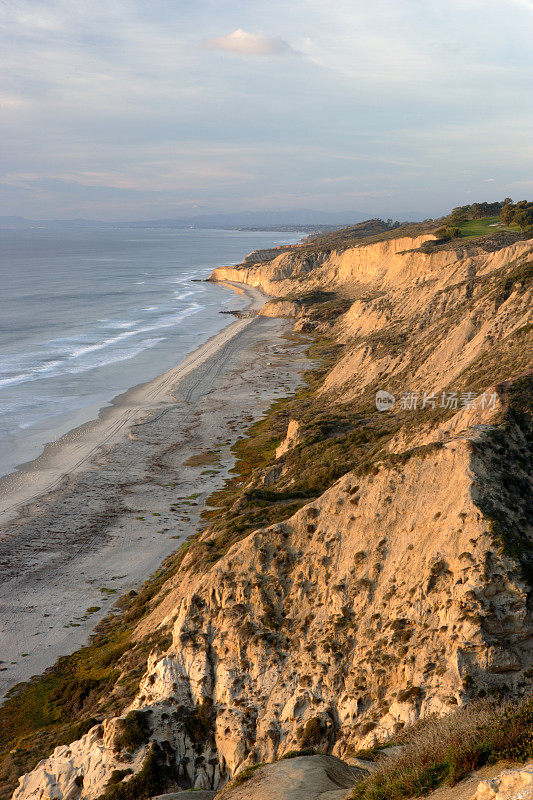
281	308
332	627
304	778
512	784
290	440
304	325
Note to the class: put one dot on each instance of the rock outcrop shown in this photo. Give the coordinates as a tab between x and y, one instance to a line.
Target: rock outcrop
512	784
305	778
281	308
290	440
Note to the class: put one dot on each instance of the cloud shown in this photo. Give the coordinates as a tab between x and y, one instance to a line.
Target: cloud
8	100
119	103
148	176
251	44
524	3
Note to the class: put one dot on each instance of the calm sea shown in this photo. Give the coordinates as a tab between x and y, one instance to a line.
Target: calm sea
87	313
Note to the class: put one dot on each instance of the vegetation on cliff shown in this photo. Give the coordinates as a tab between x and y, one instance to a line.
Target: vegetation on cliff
475	211
447	749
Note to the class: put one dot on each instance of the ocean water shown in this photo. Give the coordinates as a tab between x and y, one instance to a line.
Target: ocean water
87	313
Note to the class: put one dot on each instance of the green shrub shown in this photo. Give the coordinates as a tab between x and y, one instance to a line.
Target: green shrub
76	695
246	774
134	731
118	775
520	276
199	723
154	777
447	232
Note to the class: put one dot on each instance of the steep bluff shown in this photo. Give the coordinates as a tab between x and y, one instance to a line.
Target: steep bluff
390	263
365	263
402	587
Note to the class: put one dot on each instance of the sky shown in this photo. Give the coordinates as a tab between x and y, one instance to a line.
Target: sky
128	109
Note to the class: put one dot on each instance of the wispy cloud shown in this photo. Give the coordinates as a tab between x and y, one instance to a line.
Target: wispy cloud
8	100
251	44
148	177
524	3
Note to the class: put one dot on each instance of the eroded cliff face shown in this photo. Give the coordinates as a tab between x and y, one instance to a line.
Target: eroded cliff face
401	591
391	263
468	312
446	301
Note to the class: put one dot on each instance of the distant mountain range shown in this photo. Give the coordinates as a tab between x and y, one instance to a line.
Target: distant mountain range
300	217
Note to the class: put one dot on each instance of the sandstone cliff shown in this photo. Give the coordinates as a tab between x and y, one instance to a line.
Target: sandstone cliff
401	590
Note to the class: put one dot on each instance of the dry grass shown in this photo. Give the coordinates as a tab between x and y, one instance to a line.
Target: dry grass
447	749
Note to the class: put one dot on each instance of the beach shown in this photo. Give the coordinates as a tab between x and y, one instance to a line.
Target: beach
86	314
98	511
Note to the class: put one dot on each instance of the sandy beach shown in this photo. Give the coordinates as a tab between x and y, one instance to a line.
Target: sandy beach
99	510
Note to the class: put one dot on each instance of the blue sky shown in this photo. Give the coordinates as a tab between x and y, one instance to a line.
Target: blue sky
128	109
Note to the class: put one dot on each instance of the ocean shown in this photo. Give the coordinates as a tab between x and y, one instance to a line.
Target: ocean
87	313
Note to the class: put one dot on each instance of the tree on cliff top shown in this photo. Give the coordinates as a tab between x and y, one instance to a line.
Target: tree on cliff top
520	214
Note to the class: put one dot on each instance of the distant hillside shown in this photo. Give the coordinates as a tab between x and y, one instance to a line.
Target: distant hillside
327	241
347	237
295	219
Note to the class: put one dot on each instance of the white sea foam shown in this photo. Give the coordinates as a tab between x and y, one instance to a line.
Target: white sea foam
34	375
118	324
66	350
76	352
104	360
76	305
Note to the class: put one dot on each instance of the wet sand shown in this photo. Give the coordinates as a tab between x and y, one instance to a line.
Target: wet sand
99	510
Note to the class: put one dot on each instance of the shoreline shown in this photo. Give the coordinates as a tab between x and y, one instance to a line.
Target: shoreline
112	421
97	512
